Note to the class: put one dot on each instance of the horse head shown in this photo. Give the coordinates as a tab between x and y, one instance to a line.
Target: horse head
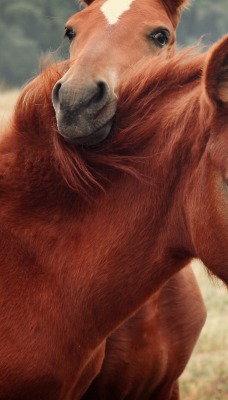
107	38
209	220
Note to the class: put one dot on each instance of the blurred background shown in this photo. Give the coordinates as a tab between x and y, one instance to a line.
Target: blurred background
29	29
32	28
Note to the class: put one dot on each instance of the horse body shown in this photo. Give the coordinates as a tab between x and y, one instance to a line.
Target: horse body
52	300
63	294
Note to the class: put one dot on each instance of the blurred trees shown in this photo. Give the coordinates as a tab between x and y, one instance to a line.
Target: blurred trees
29	28
204	18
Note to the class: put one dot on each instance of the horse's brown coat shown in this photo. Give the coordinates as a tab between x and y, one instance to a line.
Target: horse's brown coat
73	271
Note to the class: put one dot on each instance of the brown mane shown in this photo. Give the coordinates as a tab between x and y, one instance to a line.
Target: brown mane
85	169
89	169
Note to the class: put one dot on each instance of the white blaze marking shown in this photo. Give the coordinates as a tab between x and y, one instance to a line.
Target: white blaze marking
113	9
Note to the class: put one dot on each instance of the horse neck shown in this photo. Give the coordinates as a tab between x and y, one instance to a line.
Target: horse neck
173	118
182	140
116	263
117	251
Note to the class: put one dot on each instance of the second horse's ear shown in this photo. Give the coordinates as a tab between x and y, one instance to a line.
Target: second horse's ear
216	73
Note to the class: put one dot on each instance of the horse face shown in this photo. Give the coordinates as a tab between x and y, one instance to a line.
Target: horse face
212	207
107	39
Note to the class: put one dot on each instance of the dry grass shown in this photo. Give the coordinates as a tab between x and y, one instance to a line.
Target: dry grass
7	102
206	376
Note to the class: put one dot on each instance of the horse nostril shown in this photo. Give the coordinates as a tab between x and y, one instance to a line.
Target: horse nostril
97	96
55	94
102	90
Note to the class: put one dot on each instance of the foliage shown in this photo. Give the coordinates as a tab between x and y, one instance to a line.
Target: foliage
29	29
205	19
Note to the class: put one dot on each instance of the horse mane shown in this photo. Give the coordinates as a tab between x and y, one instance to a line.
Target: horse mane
90	169
86	168
34	109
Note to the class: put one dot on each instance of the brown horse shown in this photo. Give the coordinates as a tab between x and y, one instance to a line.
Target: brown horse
158	36
72	271
154	344
103	46
39	326
161	19
108	37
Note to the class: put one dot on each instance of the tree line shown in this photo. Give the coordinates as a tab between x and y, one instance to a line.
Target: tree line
31	28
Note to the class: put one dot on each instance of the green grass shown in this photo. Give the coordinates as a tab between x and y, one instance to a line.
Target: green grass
206	376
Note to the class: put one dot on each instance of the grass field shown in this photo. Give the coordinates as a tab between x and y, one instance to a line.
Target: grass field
206	376
7	101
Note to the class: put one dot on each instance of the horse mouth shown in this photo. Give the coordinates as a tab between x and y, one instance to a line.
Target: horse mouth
94	138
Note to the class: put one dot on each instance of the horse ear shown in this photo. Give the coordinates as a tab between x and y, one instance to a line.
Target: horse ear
88	2
216	73
175	7
175	4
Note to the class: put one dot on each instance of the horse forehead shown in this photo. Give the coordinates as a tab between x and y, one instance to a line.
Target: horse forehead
114	9
137	15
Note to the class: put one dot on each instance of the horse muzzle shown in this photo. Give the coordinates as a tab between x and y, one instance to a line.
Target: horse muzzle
84	113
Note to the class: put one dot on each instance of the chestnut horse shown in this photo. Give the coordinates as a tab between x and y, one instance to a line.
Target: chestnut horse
144	356
45	260
103	47
188	302
108	37
72	271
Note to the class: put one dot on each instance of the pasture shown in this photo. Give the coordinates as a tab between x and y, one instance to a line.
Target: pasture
206	377
7	102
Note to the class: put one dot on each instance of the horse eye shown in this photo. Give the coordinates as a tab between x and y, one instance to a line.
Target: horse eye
69	32
160	38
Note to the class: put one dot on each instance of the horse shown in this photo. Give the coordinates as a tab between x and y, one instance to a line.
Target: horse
199	151
162	19
66	284
93	78
99	57
159	39
97	63
206	152
39	307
